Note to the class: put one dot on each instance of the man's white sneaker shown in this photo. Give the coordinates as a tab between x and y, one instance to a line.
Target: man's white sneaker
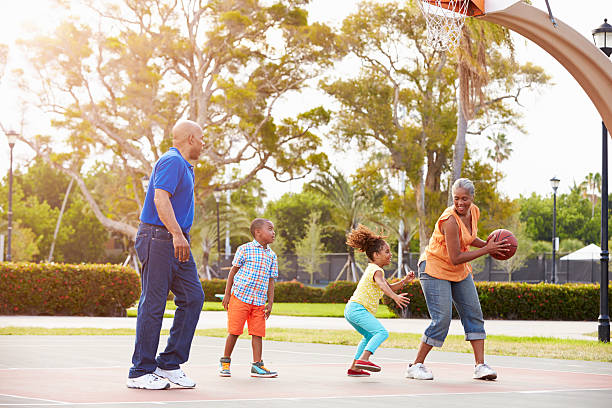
148	382
484	372
177	377
418	371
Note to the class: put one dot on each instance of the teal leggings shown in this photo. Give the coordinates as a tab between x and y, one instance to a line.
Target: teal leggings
374	334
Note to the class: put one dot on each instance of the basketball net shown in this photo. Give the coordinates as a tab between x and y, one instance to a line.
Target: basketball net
444	23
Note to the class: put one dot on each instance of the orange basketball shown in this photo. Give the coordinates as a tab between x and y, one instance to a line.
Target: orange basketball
500	235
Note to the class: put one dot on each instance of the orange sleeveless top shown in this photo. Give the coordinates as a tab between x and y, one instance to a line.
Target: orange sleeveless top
439	264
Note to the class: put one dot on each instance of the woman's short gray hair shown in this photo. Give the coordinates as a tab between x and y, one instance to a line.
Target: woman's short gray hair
465	184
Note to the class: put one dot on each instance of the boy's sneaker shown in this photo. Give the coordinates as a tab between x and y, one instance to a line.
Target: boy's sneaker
357	373
484	372
148	382
224	367
367	365
258	370
418	371
177	377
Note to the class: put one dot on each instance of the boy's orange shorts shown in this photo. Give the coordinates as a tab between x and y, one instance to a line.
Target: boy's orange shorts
239	312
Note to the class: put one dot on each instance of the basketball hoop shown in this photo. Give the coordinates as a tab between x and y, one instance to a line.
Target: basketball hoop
444	20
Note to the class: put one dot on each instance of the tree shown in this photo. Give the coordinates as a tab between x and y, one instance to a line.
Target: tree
310	249
500	151
350	208
487	80
116	92
402	100
290	214
204	232
523	250
591	188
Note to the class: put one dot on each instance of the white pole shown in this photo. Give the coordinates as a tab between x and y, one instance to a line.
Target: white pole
1	247
228	248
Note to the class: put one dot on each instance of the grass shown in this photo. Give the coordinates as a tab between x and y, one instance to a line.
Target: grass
289	309
542	347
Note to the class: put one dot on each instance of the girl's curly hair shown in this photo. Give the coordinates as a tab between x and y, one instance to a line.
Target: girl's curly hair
365	240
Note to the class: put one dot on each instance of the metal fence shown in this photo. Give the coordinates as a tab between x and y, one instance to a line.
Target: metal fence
537	269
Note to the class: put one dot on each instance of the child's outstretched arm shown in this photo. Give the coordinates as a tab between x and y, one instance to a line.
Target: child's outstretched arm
401	283
270	297
401	299
228	287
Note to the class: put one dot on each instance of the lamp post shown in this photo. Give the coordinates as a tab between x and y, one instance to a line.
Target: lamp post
554	182
217	194
11	137
602	36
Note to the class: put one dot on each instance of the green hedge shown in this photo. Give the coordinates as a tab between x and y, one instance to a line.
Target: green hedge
64	289
291	292
520	301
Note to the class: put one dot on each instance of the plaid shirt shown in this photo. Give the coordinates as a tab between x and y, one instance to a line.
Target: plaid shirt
257	265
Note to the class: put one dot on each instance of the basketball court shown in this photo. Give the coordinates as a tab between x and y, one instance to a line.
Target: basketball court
45	371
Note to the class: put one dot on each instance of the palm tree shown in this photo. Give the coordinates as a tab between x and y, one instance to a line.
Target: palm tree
591	188
351	207
501	150
204	231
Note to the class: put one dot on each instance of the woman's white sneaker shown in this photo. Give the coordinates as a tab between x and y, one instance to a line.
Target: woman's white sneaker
418	371
177	377
148	382
484	372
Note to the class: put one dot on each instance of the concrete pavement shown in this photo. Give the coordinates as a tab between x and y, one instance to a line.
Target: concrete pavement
210	320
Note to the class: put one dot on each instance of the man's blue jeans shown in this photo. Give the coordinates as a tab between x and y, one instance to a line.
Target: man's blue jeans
440	296
373	332
162	272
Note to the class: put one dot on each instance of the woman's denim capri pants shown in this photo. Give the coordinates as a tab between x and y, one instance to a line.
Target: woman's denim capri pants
440	296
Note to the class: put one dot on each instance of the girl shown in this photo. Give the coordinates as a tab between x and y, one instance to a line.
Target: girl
361	308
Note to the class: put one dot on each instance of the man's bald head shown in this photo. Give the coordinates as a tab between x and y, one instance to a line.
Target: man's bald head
187	138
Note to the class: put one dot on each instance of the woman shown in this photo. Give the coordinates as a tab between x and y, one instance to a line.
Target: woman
445	276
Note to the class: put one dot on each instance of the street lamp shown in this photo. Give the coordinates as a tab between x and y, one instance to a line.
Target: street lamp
11	137
602	36
217	194
554	182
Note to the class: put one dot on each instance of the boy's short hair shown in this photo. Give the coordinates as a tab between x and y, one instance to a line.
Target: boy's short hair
258	223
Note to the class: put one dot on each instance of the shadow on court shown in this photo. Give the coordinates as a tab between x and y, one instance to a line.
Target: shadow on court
91	370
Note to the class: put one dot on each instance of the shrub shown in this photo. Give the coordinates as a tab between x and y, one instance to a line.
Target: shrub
212	287
296	292
65	289
520	301
339	292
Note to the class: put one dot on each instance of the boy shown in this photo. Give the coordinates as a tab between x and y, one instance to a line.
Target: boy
249	284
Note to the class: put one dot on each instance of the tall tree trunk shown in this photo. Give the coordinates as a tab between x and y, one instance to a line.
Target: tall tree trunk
459	151
59	220
420	204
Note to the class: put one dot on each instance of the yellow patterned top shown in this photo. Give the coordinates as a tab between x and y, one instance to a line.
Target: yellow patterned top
368	293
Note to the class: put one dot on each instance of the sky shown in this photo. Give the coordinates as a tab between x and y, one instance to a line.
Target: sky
563	128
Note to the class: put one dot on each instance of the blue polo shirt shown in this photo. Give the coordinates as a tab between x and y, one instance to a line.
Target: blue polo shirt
173	174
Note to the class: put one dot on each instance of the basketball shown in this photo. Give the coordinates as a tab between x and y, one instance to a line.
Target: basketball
500	235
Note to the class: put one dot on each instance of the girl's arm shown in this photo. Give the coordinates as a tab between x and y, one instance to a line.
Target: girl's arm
401	283
451	236
401	299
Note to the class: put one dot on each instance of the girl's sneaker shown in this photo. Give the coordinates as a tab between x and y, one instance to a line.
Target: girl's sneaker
259	370
357	373
224	367
367	365
418	371
484	372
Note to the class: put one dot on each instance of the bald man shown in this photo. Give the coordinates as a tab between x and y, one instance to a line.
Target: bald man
162	244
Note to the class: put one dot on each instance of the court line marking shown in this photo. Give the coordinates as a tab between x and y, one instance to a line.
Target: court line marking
33	398
544	391
317	354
